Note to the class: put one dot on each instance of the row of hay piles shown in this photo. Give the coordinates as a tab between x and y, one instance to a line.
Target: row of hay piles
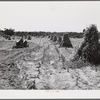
64	40
90	48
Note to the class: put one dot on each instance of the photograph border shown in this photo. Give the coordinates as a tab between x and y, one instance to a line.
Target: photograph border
91	97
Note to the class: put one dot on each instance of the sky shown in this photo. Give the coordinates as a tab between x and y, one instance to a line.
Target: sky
50	16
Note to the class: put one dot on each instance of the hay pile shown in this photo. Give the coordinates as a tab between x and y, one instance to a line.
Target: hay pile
90	48
54	39
21	44
66	41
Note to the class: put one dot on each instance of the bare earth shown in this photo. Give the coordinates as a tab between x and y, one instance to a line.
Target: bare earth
43	66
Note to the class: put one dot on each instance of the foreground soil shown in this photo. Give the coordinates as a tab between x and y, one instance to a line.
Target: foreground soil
45	66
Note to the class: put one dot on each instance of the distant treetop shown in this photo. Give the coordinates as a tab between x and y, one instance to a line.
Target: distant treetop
9	32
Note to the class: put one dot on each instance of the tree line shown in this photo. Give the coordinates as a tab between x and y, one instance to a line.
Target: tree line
11	32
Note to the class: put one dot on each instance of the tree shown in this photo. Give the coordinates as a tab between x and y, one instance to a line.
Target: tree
9	32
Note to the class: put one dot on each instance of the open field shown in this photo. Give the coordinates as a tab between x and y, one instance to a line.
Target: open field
43	66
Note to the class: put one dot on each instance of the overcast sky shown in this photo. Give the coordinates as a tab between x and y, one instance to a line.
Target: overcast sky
49	16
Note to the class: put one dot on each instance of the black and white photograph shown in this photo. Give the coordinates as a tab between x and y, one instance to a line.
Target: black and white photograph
50	45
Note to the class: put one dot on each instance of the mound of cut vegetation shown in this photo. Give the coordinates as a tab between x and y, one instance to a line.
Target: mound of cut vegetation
90	48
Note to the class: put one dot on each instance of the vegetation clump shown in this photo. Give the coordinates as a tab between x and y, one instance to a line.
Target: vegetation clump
9	32
90	48
21	44
60	41
54	39
29	37
51	38
9	38
66	41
